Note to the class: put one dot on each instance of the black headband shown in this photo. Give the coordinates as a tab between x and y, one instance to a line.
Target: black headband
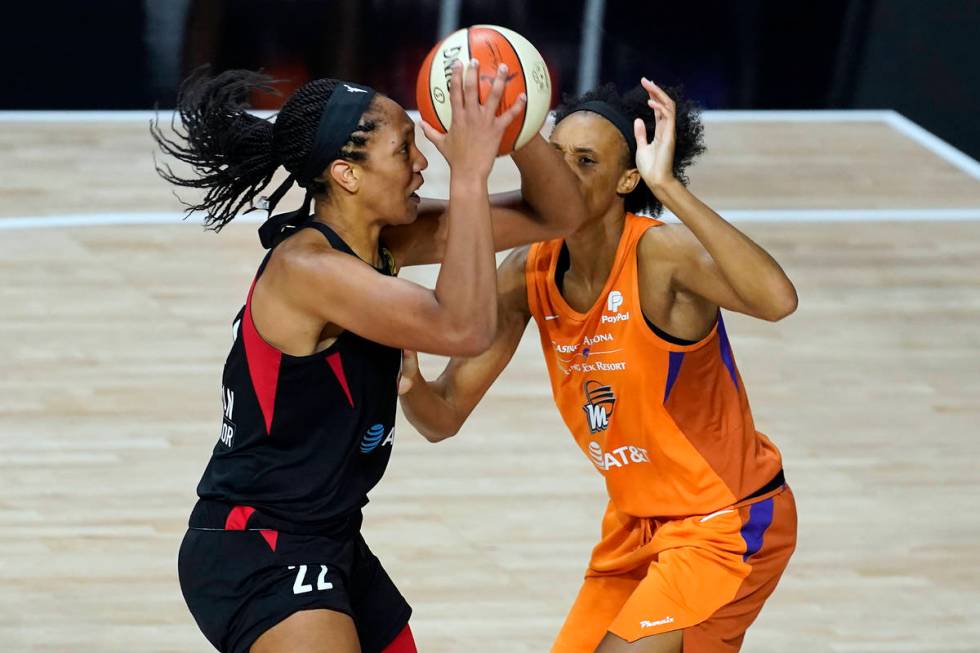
341	114
619	121
340	117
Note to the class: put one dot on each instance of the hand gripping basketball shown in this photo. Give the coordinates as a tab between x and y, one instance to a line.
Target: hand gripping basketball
491	46
472	142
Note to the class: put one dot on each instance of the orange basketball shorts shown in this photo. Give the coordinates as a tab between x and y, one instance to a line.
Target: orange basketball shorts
708	575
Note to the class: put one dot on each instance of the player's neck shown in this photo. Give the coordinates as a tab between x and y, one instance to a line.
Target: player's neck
355	228
592	249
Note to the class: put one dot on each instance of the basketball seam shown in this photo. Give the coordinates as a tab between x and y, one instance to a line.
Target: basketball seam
449	81
429	90
469	59
527	90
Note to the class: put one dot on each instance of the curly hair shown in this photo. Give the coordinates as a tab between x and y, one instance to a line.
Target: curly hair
689	139
233	153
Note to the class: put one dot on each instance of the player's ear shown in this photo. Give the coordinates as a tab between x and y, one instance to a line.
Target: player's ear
628	181
345	174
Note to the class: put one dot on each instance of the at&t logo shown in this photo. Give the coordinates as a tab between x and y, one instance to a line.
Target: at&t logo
374	437
618	457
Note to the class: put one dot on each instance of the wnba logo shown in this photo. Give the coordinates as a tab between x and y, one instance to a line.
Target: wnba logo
599	402
373	437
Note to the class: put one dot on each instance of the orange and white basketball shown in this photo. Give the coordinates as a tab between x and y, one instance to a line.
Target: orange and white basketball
491	45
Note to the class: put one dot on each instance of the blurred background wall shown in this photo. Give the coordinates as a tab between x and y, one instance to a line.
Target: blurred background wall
916	56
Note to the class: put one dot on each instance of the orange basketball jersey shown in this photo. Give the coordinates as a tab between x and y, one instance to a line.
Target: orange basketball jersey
668	426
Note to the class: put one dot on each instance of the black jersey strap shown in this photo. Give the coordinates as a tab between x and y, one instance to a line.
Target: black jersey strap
292	222
332	237
387	261
265	262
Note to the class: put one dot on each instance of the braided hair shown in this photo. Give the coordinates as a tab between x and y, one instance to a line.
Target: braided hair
689	139
234	154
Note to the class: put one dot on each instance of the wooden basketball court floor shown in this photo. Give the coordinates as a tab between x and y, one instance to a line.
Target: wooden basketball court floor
115	321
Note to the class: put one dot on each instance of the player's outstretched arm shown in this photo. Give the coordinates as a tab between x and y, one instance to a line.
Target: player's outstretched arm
709	256
437	409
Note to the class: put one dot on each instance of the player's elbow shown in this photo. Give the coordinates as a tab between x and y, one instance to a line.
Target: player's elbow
575	216
442	428
566	219
471	338
783	304
434	423
481	340
443	432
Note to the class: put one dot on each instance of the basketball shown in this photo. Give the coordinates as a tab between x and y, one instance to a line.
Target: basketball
491	45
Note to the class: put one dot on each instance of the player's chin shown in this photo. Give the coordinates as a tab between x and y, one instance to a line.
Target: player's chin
412	208
408	213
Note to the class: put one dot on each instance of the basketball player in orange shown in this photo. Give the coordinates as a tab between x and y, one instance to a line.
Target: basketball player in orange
700	522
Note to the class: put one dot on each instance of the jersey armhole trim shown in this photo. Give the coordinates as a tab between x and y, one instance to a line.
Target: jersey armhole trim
650	334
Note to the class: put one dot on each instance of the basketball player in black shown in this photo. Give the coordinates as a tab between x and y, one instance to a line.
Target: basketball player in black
273	559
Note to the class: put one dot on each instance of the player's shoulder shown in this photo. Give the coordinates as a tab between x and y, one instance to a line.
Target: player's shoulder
512	279
512	270
516	259
665	240
305	270
535	257
308	253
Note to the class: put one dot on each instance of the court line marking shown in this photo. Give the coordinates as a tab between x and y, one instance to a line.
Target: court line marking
934	144
895	120
734	215
97	116
846	215
816	115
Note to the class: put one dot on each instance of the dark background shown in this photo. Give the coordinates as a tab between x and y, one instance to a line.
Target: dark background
919	57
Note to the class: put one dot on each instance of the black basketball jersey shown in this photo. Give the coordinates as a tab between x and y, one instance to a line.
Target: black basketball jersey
303	438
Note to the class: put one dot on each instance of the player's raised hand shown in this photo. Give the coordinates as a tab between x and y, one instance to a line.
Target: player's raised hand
655	159
470	146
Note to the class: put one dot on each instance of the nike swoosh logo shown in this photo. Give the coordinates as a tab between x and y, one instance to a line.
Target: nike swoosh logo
551	317
714	514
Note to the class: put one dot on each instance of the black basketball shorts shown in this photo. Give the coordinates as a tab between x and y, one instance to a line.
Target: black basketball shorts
240	583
